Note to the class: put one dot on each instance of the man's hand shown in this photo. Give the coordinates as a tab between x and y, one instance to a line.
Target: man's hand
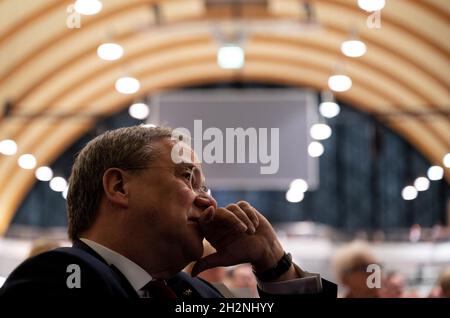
240	234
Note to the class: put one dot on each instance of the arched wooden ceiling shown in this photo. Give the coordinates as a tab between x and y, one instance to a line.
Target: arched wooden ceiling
48	67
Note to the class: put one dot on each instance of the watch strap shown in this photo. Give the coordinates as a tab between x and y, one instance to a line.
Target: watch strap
275	272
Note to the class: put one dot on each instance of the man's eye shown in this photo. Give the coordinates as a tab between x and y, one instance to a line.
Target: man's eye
187	175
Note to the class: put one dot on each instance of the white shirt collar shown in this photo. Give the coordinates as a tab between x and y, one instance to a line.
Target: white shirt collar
135	274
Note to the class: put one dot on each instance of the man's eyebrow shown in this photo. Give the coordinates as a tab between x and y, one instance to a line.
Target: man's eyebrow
186	165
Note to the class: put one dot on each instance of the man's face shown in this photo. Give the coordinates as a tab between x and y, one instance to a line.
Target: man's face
356	281
394	286
243	277
166	210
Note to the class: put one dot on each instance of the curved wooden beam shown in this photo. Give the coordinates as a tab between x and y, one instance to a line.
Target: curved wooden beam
63	135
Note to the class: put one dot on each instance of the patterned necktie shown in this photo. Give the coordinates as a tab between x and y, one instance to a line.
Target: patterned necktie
158	289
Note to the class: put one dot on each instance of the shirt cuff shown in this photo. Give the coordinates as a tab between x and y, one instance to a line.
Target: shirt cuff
310	283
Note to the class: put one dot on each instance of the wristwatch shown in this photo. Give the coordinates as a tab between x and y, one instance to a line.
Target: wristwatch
275	272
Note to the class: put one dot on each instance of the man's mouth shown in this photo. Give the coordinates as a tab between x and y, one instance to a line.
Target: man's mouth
194	223
193	220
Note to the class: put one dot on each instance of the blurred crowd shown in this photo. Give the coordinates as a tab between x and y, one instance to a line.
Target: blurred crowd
359	274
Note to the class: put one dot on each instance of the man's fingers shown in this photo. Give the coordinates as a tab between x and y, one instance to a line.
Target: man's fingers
225	219
210	261
251	212
242	216
205	201
207	215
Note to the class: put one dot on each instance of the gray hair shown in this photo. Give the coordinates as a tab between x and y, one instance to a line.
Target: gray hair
121	148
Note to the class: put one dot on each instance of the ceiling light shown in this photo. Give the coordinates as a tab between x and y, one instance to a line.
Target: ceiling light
320	131
58	184
329	109
294	196
8	147
435	173
299	185
371	5
421	184
230	57
88	7
409	193
353	48
446	160
315	149
110	51
64	193
44	173
127	85
139	110
339	83
27	161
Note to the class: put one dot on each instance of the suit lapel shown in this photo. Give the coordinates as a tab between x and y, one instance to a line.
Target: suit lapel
184	286
124	283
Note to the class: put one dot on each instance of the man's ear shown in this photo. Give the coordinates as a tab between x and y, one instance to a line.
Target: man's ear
115	185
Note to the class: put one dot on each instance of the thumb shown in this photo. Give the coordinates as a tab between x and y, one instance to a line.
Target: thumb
210	261
207	216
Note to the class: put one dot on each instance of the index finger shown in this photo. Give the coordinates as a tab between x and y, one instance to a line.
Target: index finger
251	212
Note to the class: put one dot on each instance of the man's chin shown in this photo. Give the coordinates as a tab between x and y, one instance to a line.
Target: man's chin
192	248
198	253
195	228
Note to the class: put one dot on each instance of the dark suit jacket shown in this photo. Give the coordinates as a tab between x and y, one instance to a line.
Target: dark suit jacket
47	274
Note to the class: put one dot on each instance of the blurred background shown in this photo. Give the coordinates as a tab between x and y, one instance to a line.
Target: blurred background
358	88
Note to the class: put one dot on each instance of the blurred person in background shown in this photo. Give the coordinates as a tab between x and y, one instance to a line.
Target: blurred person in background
444	282
350	264
242	282
393	285
42	245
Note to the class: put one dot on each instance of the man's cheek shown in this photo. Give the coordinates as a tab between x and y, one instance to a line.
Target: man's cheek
186	197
